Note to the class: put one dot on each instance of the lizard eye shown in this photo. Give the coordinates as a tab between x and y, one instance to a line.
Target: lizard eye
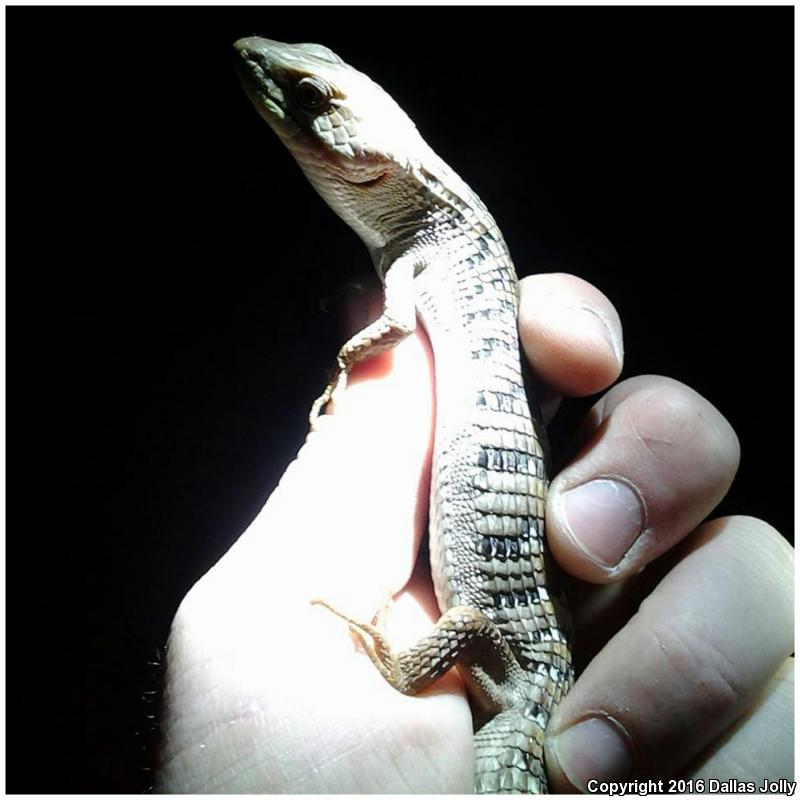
312	93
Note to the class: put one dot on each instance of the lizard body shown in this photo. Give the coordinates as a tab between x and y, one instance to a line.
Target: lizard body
441	256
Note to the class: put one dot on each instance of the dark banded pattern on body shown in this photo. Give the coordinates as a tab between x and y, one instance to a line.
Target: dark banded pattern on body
489	485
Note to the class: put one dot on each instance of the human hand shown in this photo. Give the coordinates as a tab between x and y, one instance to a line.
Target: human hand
696	682
266	693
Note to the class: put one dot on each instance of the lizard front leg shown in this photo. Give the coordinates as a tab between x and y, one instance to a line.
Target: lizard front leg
398	320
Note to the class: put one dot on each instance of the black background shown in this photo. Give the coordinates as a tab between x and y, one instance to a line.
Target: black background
167	260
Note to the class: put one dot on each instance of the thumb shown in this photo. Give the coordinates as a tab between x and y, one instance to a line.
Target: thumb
349	511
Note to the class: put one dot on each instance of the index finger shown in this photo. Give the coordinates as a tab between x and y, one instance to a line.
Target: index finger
570	332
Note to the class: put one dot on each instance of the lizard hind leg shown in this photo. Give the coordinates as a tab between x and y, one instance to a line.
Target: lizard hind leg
452	639
370	635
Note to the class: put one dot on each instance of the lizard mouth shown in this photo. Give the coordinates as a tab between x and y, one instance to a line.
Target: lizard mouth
253	72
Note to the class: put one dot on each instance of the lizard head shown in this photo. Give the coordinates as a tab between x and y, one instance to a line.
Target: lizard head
345	132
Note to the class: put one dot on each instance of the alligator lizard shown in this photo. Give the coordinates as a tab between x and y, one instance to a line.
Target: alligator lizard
440	255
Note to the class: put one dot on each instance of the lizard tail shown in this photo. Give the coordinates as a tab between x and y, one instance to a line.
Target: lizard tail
509	755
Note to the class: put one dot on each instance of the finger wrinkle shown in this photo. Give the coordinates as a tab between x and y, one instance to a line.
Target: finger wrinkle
767	539
648	443
700	664
754	541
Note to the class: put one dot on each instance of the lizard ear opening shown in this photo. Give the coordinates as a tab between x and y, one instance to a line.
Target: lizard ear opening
370	182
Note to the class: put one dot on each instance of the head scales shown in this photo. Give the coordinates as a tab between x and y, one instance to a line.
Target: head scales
352	146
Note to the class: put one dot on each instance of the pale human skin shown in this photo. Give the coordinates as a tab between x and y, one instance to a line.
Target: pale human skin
266	693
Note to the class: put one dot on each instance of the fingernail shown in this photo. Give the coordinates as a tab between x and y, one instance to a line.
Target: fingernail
595	324
597	748
605	517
